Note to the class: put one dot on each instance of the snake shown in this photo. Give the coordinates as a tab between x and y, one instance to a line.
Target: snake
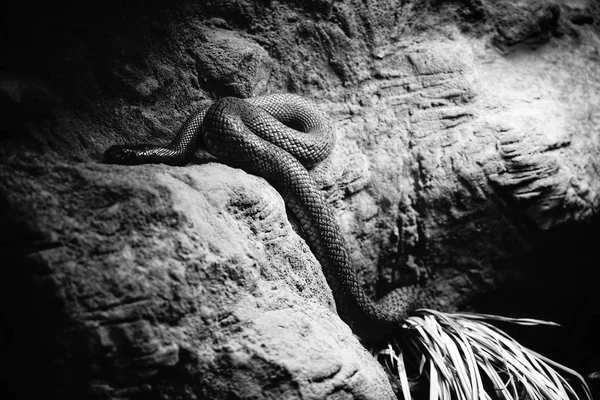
280	137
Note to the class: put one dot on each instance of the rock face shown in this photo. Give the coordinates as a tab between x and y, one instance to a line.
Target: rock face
193	274
467	160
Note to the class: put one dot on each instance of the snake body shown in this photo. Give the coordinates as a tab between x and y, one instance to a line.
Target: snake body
278	137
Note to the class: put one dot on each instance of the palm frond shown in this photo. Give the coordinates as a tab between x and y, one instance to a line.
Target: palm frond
464	357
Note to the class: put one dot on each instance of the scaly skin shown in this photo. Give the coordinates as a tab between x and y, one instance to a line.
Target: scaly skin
256	135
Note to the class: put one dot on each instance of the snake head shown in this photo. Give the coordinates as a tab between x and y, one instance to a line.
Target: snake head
128	155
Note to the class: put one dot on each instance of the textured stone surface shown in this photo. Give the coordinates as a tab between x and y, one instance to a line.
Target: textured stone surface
193	273
467	159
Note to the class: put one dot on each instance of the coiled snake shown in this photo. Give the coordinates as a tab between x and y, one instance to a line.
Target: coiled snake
278	137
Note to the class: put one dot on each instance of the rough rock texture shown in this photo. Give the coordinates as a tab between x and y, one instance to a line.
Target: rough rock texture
467	160
181	273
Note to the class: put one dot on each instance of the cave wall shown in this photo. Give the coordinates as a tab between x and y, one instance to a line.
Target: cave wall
467	161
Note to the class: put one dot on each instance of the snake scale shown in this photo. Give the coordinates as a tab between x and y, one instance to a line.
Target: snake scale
278	137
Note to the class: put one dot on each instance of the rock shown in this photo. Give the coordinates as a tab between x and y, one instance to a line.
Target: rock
532	22
192	273
229	65
538	181
459	167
